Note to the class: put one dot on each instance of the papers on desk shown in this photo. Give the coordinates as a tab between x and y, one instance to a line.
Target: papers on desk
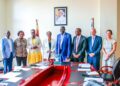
41	67
19	68
11	75
93	83
93	79
3	84
43	64
92	73
25	69
84	67
14	79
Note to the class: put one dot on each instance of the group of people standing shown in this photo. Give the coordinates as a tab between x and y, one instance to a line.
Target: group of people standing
63	48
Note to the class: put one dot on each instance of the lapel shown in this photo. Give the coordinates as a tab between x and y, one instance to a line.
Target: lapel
63	39
75	42
80	41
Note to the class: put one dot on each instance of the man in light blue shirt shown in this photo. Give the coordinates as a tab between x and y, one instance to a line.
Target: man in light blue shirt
7	52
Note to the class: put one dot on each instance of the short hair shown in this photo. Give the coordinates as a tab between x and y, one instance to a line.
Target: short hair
20	32
63	27
109	31
32	29
49	32
79	29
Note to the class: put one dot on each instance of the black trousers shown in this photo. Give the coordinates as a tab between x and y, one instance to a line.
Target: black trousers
77	59
21	60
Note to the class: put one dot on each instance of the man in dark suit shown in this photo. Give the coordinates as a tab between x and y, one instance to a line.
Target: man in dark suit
79	46
63	45
94	45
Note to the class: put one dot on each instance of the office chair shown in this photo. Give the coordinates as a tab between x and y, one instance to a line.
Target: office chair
1	68
111	76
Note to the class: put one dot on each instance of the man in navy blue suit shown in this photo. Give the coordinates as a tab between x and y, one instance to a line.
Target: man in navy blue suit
63	45
94	45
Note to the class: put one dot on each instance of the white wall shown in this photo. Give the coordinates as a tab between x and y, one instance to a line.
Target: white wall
22	15
118	30
2	21
108	17
2	17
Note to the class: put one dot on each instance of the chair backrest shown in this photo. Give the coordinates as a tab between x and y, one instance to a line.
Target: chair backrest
116	69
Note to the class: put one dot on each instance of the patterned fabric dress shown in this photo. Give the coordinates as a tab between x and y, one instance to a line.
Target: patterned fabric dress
34	55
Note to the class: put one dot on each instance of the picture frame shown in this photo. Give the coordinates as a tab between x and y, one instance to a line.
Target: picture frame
60	16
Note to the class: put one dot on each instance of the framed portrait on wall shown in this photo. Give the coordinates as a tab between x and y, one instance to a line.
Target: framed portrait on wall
60	16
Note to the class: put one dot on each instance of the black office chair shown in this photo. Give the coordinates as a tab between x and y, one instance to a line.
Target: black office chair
1	68
111	76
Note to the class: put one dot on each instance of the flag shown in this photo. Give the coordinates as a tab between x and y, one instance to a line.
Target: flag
92	22
37	28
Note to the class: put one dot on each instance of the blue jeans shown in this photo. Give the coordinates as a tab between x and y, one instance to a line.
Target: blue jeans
7	62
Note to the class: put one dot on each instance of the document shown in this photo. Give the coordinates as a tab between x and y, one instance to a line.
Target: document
92	83
3	84
14	79
41	67
85	65
84	69
11	74
17	68
25	69
93	79
92	73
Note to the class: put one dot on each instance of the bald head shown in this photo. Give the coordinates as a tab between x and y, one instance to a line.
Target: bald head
93	31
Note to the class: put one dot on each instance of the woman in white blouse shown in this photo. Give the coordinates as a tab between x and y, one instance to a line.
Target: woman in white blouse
109	48
49	47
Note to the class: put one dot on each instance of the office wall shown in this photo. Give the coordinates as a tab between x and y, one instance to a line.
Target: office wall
108	17
118	29
2	21
2	17
22	14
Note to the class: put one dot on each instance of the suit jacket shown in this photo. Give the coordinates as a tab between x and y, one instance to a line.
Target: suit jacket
81	46
6	48
97	45
65	51
46	48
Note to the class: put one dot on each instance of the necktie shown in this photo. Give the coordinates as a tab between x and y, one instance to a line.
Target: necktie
93	38
50	50
77	42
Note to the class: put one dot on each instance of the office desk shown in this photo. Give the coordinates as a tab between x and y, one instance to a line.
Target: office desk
59	74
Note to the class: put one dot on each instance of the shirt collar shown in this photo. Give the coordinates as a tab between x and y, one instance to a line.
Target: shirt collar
7	38
93	36
63	34
79	36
